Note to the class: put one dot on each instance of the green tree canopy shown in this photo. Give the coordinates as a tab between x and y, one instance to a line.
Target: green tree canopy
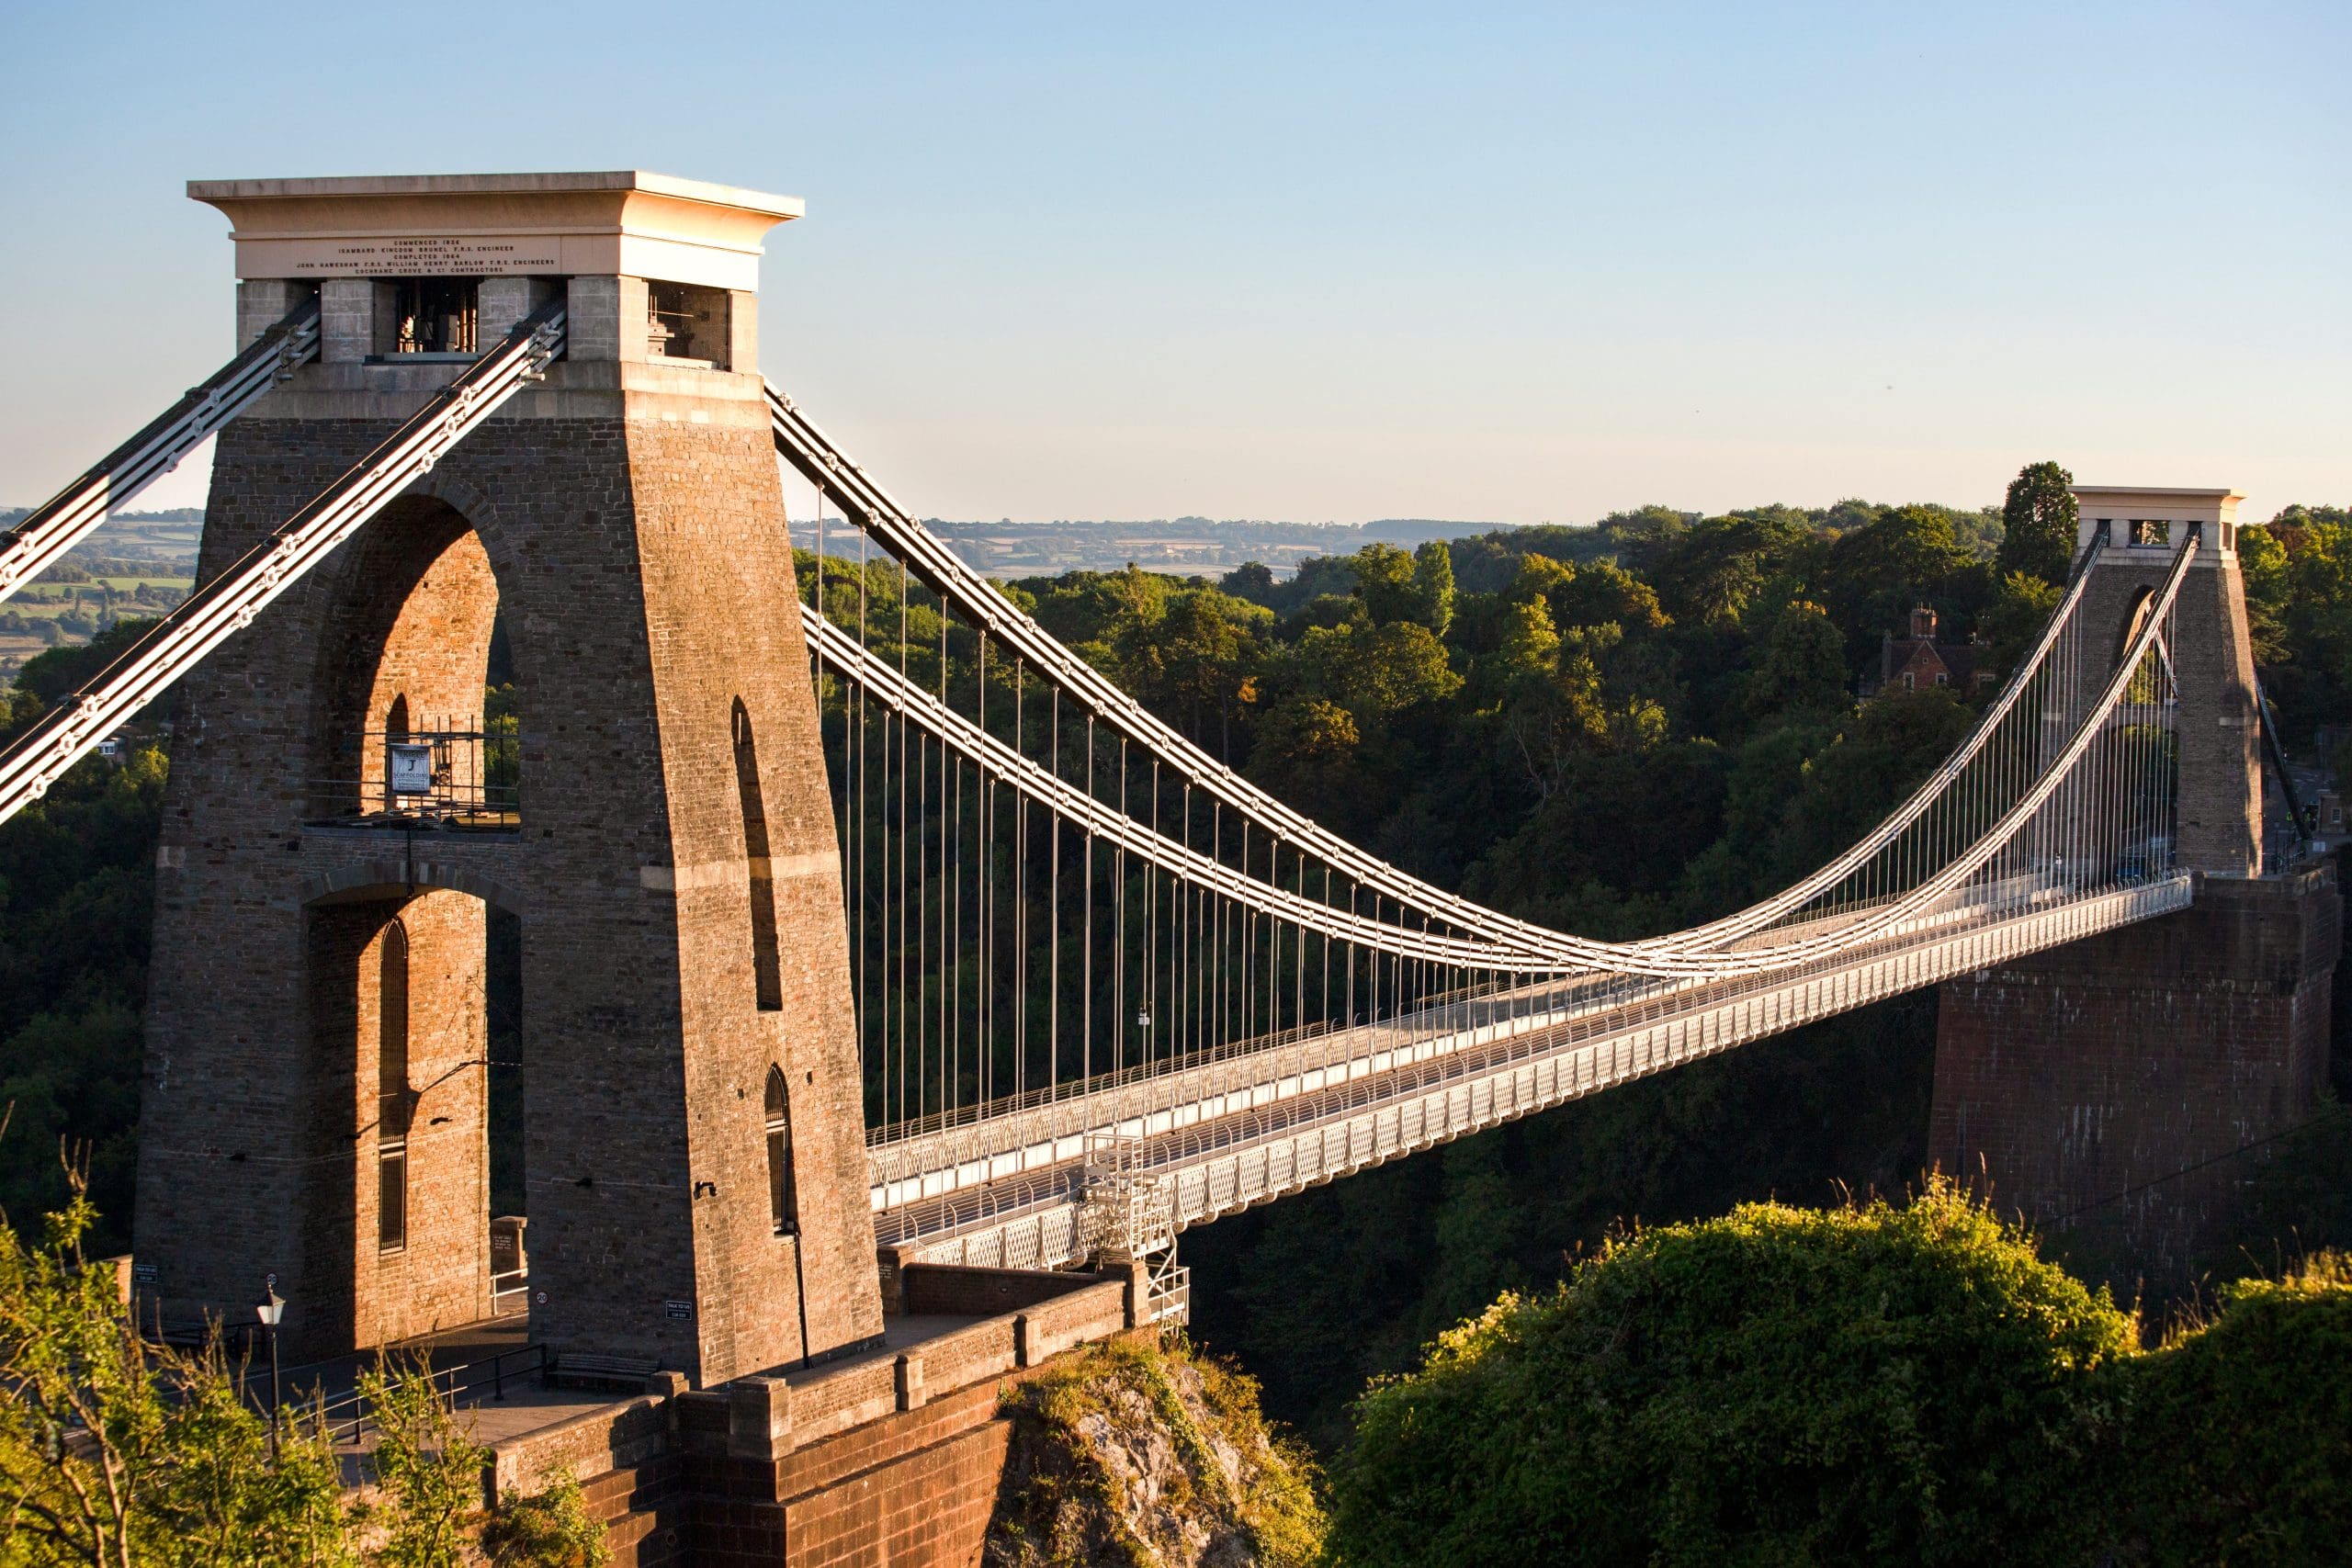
1385	583
1433	586
1874	1383
1711	571
1417	588
2021	605
1801	666
1305	752
2240	1431
2038	523
1375	672
1873	576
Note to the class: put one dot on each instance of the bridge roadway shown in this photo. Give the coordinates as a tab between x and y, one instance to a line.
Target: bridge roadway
1008	1189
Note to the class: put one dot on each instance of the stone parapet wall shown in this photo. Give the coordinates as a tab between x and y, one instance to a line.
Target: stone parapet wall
987	1349
892	1459
955	1290
770	1416
623	1436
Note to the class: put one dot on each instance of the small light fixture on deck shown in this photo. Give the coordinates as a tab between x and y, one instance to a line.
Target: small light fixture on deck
270	1309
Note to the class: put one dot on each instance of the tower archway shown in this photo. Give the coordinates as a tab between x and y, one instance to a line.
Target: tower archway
402	984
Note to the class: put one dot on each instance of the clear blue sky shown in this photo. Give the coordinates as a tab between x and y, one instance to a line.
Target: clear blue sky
1314	262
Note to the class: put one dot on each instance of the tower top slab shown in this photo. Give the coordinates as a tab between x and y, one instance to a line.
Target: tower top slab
2193	505
2143	517
624	222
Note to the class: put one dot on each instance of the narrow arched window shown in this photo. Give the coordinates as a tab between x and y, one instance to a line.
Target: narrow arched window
396	717
392	1100
767	982
783	1200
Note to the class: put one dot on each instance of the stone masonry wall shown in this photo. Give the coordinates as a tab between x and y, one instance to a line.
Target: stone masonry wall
722	624
886	1459
631	519
439	1276
2103	1089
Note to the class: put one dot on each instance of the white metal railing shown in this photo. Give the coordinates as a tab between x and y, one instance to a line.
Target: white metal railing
991	1147
1169	1296
509	1290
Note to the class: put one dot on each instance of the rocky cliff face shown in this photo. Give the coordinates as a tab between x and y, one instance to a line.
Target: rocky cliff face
1140	1456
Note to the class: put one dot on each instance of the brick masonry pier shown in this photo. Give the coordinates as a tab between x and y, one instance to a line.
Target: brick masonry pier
2105	1089
891	1457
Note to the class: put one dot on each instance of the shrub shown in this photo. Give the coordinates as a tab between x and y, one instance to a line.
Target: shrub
115	1450
2239	1432
1870	1383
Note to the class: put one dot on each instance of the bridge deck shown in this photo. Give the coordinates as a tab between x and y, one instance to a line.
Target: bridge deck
1238	1132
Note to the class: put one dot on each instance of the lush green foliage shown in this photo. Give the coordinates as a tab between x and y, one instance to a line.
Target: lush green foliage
76	897
548	1529
2298	596
1869	1384
2038	523
116	1451
2239	1440
1863	1385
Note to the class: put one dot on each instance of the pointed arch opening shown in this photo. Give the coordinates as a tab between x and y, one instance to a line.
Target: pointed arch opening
767	979
392	1097
415	713
783	1199
2143	605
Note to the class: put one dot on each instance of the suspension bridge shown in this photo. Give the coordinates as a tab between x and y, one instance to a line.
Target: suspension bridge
858	912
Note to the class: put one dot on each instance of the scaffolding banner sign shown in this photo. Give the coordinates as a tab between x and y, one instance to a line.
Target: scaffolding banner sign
408	768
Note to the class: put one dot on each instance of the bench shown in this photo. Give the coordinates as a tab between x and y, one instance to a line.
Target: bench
574	1370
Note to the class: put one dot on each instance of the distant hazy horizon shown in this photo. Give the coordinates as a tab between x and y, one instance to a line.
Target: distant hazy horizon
1525	263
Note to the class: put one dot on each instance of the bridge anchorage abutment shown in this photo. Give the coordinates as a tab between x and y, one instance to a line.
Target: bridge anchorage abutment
2122	1093
345	821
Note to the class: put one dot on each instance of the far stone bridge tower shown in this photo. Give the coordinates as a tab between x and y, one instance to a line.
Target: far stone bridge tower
2122	1092
341	818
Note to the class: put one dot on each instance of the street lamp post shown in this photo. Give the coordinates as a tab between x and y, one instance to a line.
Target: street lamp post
270	1309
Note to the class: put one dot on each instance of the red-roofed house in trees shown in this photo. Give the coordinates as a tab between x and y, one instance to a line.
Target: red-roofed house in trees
1917	660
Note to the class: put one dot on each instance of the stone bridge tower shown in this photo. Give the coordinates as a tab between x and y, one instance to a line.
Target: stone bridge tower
340	817
2217	729
2122	1092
